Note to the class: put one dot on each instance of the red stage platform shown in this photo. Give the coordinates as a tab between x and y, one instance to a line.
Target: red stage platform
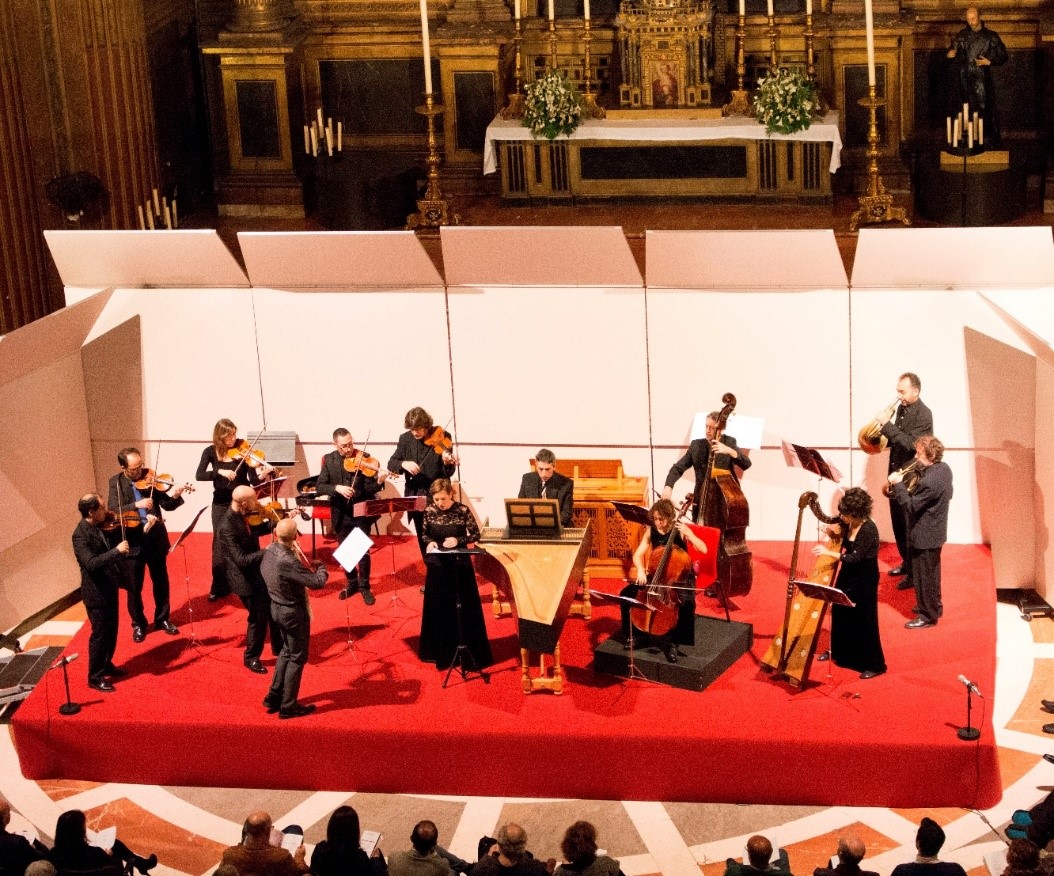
190	714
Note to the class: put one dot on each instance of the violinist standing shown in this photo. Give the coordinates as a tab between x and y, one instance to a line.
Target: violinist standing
225	474
148	542
100	575
416	455
664	527
345	488
240	543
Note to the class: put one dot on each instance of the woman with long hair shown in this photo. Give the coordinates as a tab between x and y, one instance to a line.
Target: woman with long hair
341	854
73	852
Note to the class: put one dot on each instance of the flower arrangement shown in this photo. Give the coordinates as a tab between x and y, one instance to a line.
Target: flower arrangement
785	101
553	106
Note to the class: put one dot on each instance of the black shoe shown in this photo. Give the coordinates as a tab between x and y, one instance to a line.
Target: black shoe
168	627
711	592
144	865
1047	705
870	673
920	623
114	672
626	645
102	685
350	590
898	571
254	665
297	711
214	596
1048	728
271	706
905	585
671	653
138	634
367	595
1049	758
824	657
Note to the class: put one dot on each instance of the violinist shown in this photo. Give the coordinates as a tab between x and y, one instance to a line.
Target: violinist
100	576
664	526
149	540
425	454
349	476
240	543
221	464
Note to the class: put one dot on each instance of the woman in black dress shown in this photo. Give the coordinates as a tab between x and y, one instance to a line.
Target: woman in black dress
449	580
855	641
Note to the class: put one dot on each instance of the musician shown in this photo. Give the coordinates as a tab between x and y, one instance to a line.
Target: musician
288	577
697	457
148	542
855	641
902	429
420	462
927	508
100	575
345	489
450	582
545	482
664	526
240	545
225	474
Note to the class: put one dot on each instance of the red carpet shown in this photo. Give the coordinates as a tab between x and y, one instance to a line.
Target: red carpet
190	714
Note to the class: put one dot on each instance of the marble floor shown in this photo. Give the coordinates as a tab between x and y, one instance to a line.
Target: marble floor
189	827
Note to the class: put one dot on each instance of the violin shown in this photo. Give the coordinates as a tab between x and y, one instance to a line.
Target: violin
439	441
270	512
244	452
125	520
664	569
160	482
362	463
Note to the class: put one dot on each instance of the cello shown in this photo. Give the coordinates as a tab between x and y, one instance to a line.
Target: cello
661	595
720	503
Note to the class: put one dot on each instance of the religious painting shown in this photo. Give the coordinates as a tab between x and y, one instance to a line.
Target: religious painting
664	85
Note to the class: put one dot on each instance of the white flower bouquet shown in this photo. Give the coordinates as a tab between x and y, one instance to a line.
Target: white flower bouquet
553	106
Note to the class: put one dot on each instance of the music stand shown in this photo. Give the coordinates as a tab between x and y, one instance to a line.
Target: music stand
270	487
394	506
463	661
633	671
179	542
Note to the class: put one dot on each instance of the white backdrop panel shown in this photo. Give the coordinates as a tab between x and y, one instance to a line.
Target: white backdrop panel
782	354
1032	310
744	260
561	366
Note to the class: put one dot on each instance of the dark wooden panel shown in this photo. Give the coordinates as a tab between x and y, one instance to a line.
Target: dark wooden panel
376	97
474	101
258	118
664	162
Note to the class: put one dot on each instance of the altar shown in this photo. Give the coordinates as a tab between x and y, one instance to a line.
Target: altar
664	157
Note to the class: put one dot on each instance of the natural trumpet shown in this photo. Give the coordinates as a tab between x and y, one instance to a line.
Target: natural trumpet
911	472
870	438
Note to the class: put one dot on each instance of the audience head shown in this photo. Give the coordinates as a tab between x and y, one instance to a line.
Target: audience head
851	849
579	845
41	868
343	828
5	813
226	870
258	828
425	836
930	838
70	829
512	841
1022	856
759	852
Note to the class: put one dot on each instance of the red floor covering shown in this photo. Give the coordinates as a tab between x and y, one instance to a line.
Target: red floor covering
190	714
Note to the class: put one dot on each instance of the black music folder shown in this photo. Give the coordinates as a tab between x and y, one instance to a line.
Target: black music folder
800	456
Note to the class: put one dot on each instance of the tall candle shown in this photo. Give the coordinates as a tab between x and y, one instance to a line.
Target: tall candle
318	113
770	9
157	203
340	136
168	218
808	7
142	221
980	131
586	9
949	121
516	9
742	8
149	216
426	47
552	11
307	142
175	215
869	24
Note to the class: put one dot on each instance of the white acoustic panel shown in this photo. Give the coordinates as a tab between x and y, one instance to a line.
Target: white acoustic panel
761	260
953	258
538	257
1030	310
337	260
138	259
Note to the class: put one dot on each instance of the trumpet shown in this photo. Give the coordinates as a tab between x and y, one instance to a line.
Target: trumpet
870	438
911	474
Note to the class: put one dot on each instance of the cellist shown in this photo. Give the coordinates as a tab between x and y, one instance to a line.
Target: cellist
680	578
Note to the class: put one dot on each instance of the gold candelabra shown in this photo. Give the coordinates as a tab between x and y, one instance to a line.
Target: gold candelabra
590	110
810	63
739	105
773	36
552	44
515	108
432	210
876	206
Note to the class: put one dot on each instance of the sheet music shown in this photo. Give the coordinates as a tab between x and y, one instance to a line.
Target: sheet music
352	549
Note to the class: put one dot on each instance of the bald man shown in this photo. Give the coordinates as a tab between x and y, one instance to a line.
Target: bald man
510	857
851	851
239	545
288	577
759	860
258	857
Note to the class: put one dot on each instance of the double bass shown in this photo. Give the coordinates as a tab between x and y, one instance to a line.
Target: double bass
719	502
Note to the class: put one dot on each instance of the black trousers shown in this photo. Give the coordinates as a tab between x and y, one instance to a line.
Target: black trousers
220	585
900	534
258	604
155	558
102	643
296	635
361	576
926	576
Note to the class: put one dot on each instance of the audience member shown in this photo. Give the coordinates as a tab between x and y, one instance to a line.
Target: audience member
928	842
340	853
1022	859
72	851
423	858
510	857
16	852
43	867
851	852
759	860
579	847
255	856
226	870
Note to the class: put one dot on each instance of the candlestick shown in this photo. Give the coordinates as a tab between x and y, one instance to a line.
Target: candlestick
432	210
869	25
425	47
738	105
142	221
876	206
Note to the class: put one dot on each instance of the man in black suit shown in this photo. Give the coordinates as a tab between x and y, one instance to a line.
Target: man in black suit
240	548
545	482
697	458
927	508
149	540
100	572
346	488
911	421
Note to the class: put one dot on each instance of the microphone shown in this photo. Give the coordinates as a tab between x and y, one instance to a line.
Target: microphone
970	686
62	661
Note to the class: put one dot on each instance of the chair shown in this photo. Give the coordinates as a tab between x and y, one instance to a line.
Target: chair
318	507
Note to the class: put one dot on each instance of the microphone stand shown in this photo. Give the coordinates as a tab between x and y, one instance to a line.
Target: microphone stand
69	707
969	733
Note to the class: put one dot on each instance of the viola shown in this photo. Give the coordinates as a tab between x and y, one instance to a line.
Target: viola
160	482
439	441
